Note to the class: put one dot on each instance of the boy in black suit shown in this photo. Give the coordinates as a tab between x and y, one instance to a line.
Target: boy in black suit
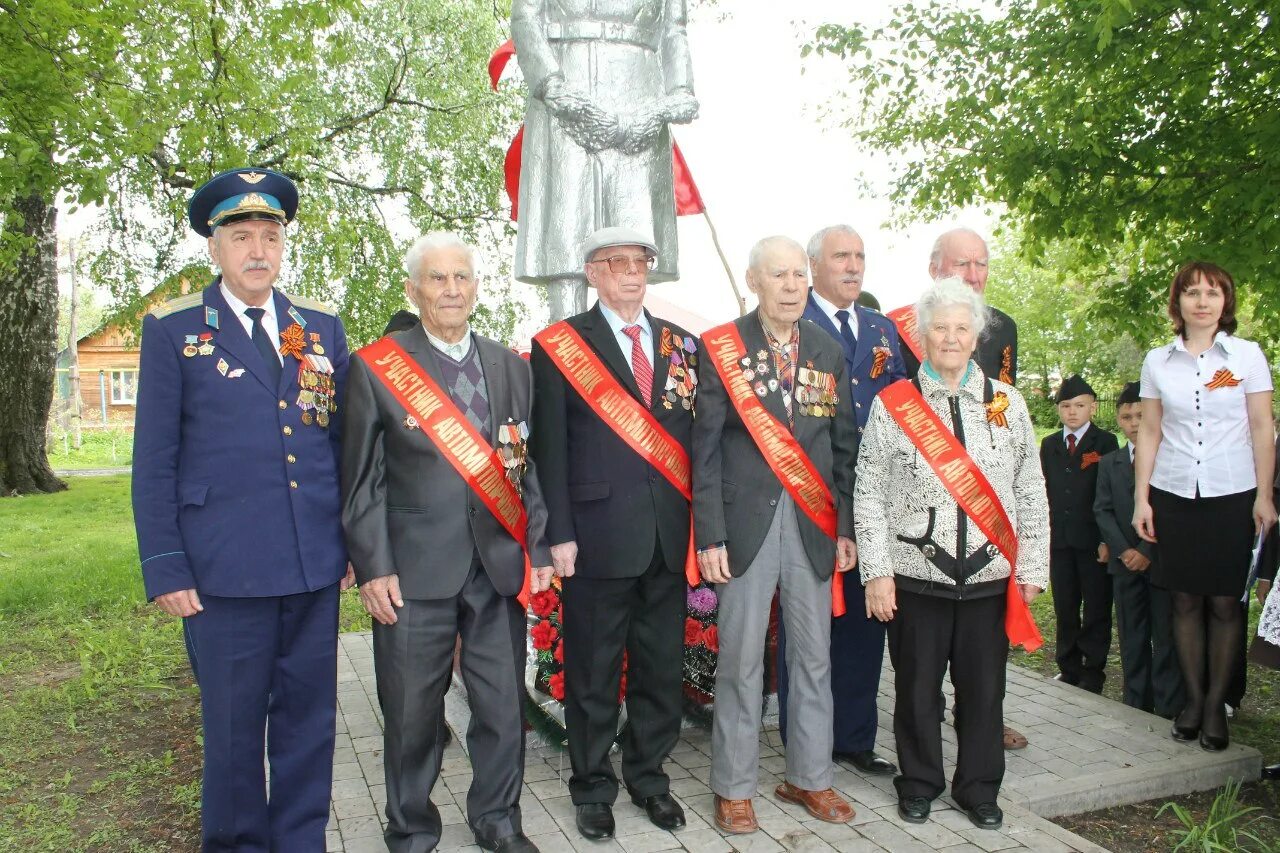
1078	556
1152	676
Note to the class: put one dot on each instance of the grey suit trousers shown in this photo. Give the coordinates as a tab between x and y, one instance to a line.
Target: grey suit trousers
781	564
413	662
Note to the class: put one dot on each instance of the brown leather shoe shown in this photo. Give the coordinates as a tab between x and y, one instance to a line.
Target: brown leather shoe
1013	739
736	817
824	805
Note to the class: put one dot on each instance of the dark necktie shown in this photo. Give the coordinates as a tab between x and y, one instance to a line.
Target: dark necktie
263	342
846	334
640	367
1071	444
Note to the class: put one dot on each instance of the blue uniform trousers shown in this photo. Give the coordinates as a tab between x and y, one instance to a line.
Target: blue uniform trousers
268	676
857	650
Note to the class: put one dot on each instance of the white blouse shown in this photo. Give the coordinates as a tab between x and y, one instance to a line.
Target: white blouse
1205	439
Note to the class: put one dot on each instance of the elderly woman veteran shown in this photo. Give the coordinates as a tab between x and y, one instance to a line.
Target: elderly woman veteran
1204	447
929	568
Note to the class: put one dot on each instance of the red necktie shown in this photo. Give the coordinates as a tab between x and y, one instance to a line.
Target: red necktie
640	367
1071	444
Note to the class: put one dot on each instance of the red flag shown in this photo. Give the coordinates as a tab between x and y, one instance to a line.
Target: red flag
498	62
688	199
511	169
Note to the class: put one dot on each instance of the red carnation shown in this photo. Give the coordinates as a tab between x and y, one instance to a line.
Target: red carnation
543	634
692	631
544	603
711	638
559	655
556	685
622	690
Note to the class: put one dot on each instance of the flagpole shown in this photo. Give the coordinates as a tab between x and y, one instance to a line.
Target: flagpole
715	239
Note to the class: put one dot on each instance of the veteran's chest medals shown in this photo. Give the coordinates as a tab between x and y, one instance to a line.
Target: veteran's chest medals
513	450
815	392
682	376
317	393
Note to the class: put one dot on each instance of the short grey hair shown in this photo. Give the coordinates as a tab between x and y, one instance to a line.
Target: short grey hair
765	244
949	292
935	255
437	240
819	237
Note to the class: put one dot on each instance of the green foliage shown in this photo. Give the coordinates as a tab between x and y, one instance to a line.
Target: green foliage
1140	132
1223	830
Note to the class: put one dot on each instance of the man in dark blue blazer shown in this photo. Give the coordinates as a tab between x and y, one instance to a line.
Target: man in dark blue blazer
238	515
873	360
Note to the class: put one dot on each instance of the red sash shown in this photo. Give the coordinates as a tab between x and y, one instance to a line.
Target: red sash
626	416
971	490
786	458
905	319
445	426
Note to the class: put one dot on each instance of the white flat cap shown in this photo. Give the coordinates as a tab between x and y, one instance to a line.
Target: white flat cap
615	236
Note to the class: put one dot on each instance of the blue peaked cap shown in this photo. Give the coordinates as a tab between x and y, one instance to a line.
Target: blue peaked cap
240	194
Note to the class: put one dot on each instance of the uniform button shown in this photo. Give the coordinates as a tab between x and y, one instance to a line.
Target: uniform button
773	502
288	430
293	484
283	405
859	405
471	511
855	380
653	478
292	458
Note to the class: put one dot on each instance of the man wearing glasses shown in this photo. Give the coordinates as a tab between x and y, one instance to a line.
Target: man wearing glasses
612	417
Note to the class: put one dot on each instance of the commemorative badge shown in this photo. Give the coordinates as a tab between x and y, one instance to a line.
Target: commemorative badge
1224	378
223	367
192	346
996	409
410	422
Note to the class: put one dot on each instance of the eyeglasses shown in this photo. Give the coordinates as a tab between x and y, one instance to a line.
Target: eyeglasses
619	264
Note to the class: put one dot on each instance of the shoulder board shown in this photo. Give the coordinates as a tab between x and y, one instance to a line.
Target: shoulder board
178	303
310	304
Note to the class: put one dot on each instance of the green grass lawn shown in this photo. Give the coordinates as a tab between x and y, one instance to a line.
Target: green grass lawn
99	448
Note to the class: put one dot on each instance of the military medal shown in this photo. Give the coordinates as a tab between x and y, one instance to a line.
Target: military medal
410	422
513	451
307	418
190	349
223	366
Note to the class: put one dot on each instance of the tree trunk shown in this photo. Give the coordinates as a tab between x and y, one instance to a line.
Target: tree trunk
28	340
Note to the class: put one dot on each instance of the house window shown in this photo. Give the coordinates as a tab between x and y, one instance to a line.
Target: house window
124	387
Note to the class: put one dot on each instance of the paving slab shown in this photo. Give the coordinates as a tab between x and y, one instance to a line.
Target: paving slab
1086	752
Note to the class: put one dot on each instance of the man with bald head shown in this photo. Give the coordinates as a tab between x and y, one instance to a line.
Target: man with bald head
773	454
872	357
962	252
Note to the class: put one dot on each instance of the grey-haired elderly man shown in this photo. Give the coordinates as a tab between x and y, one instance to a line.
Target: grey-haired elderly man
440	506
618	524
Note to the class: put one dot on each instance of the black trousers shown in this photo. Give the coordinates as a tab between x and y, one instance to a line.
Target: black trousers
926	634
413	662
603	617
1082	605
1148	656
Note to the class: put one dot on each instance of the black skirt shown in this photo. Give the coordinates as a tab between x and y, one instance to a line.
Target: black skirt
1203	545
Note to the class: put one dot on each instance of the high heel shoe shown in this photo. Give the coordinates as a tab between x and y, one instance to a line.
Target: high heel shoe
1182	735
1209	743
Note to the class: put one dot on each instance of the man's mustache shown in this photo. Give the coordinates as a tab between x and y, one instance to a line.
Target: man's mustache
250	266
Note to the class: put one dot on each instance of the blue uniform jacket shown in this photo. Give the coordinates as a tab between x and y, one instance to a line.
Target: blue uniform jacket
233	494
874	330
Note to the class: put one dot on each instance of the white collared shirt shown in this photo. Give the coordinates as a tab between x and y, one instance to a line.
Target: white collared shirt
617	324
830	310
457	351
1079	433
1205	439
270	322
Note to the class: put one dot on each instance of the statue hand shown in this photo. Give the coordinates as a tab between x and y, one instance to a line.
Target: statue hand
680	107
641	131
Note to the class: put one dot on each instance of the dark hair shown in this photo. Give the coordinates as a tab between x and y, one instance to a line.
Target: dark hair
1213	275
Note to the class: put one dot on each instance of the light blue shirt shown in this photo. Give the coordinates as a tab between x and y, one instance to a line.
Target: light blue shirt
1078	433
617	324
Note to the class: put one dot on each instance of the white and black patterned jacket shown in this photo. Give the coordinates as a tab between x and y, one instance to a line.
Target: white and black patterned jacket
907	522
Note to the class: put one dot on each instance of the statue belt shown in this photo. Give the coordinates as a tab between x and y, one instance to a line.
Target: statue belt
602	31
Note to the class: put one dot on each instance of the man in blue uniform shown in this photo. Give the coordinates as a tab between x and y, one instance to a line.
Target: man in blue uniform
873	359
238	513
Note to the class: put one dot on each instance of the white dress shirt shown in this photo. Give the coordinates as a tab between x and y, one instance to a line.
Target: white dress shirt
1205	441
269	320
1079	433
617	324
457	351
830	310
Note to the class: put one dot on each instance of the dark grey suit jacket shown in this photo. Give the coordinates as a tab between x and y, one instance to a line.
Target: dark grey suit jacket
735	493
405	509
1113	509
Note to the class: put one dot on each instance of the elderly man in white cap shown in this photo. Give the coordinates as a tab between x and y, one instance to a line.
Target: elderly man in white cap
618	524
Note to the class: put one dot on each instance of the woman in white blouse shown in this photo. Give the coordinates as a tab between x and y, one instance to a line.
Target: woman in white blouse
1204	446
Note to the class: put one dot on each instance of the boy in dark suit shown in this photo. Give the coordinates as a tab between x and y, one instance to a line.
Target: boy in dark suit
1152	677
1078	556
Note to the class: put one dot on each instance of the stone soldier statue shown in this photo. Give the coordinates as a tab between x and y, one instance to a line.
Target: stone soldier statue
605	79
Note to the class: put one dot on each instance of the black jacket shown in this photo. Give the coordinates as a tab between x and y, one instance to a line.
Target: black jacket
1071	483
1113	509
997	352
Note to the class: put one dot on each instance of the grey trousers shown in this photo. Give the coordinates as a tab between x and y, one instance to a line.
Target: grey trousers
781	565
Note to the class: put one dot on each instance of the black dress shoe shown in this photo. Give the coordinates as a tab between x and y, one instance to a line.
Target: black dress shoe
595	821
985	816
1271	771
1182	735
867	761
663	811
914	809
517	843
1209	743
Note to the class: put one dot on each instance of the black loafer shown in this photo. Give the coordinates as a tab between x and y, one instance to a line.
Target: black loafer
517	843
595	821
1209	743
914	809
868	762
985	816
1271	772
663	811
1182	735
